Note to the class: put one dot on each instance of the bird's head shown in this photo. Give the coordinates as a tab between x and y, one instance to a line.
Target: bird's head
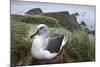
40	30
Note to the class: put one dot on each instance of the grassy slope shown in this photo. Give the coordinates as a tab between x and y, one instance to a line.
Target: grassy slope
19	45
65	19
78	47
37	19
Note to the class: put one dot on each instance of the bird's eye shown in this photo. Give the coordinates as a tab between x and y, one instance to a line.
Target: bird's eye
41	27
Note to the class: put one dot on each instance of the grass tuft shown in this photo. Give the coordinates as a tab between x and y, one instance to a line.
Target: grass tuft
80	47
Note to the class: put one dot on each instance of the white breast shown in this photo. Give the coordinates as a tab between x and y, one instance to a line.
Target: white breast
39	44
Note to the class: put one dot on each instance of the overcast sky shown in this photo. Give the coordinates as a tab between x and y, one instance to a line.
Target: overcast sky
88	11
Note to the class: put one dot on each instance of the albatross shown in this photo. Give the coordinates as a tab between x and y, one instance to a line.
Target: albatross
45	47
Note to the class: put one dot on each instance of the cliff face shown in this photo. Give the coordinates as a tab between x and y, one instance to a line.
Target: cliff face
34	11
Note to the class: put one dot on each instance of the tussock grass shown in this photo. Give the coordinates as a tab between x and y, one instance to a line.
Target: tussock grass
37	19
20	46
80	47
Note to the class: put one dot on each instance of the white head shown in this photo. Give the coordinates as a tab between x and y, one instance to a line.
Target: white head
41	29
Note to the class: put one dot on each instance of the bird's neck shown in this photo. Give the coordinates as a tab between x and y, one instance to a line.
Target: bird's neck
45	35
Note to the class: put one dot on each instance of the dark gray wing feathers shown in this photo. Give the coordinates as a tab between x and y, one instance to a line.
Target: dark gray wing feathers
54	44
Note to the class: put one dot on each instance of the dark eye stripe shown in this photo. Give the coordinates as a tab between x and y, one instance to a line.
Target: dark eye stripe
41	27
